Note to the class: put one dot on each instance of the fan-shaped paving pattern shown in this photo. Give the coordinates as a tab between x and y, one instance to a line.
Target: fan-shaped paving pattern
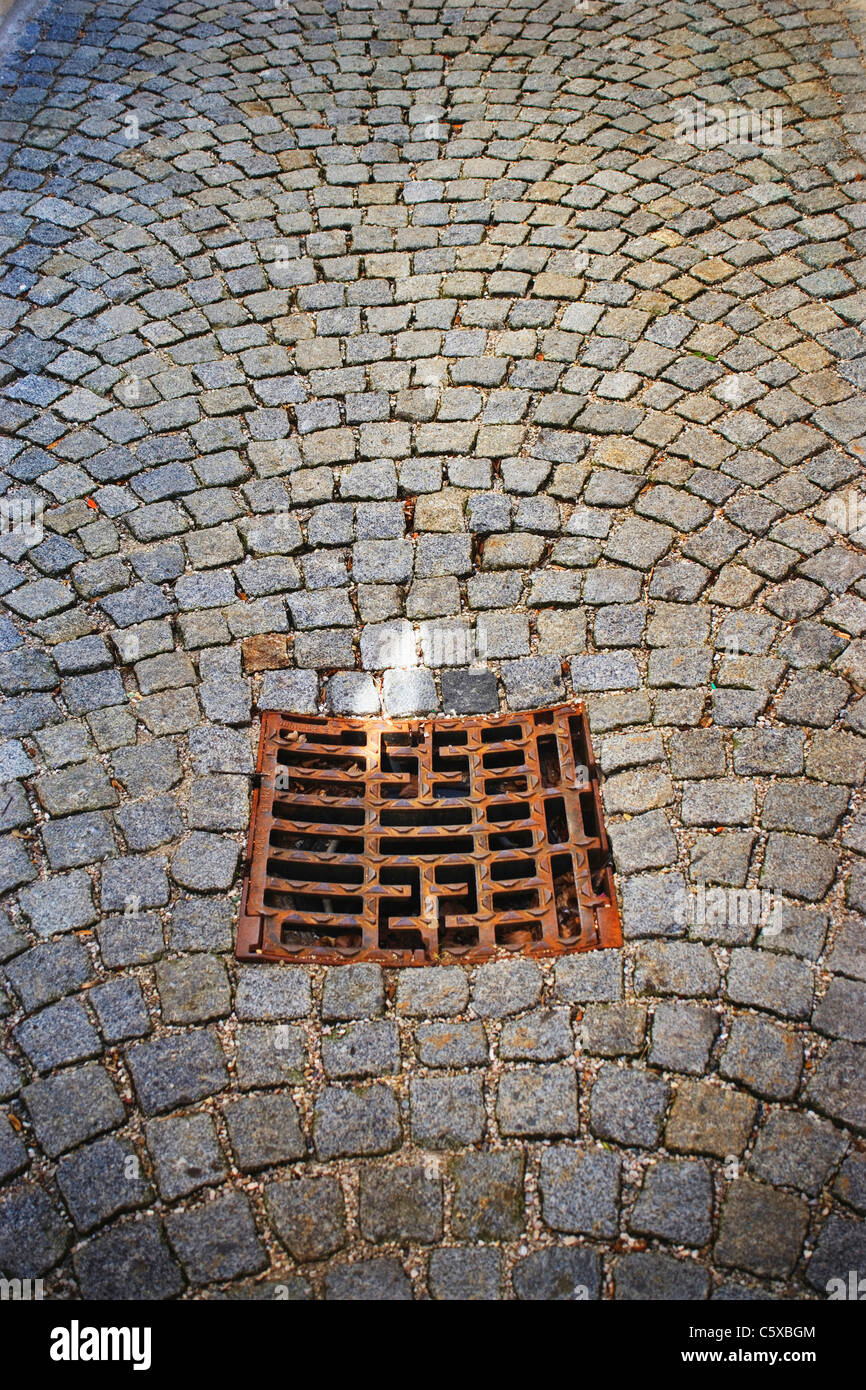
370	359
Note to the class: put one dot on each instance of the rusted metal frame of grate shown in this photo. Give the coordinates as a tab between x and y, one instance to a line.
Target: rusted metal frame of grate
407	842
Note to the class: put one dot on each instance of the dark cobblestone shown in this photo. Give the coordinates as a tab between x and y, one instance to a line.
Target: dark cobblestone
437	993
540	1101
763	1057
447	1112
761	1229
796	1151
557	1274
682	1037
709	1119
628	1107
452	1044
580	1190
130	1260
613	1030
366	1049
675	1203
505	987
72	1106
177	1070
459	1275
656	1276
401	1204
369	1281
263	1131
218	1241
186	1154
840	1249
488	1196
308	1215
357	992
356	1122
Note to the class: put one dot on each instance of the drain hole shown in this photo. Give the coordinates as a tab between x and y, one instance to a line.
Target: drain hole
408	765
565	894
318	815
396	874
578	742
556	820
402	760
301	872
322	786
548	757
515	901
406	904
501	734
356	738
442	745
513	868
589	814
396	791
506	757
294	757
458	940
599	864
516	935
512	810
321	903
518	839
460	765
505	786
317	844
422	816
404	939
460	903
403	845
347	939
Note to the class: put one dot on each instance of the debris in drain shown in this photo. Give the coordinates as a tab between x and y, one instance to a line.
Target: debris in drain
414	841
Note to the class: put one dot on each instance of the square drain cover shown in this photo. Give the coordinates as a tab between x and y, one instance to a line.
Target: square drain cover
413	841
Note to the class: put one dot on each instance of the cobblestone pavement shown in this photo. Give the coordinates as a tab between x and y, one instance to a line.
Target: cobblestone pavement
427	355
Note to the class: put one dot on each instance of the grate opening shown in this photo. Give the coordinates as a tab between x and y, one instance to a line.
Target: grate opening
417	841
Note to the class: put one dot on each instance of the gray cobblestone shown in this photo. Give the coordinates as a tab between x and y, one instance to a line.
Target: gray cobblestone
308	1215
761	1230
627	1106
356	1122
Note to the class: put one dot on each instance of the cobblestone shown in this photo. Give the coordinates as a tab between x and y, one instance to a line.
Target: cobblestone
401	1204
763	1057
102	1180
580	1190
186	1154
264	1131
628	1107
308	1215
657	1276
761	1230
356	1122
217	1242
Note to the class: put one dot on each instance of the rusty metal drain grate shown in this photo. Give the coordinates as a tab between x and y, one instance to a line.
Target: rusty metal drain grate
408	842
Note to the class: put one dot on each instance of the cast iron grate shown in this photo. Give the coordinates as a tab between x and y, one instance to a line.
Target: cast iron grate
408	842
